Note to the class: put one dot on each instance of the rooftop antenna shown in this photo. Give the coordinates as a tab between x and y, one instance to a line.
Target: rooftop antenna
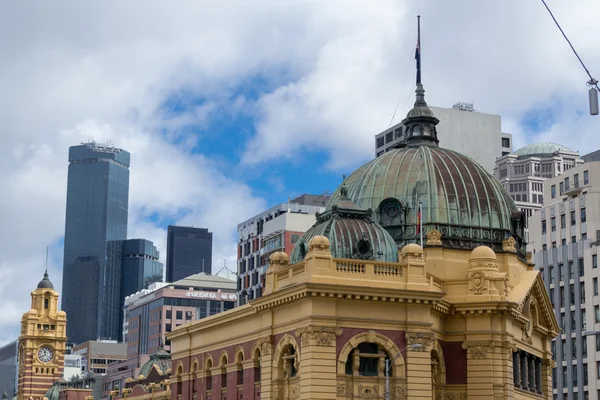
418	51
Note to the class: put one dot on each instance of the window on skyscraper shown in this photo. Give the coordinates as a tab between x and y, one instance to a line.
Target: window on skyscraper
573	221
594	261
553	191
595	285
597	314
582	291
563	221
553	224
583	215
543	227
586	177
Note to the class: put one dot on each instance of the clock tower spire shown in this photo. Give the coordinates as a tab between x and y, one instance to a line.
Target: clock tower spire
42	342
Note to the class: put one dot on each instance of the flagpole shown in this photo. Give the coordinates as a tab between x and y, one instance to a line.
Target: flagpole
421	222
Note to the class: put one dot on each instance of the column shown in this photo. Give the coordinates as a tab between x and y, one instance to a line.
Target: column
516	369
418	366
524	371
480	369
318	362
531	362
538	375
266	368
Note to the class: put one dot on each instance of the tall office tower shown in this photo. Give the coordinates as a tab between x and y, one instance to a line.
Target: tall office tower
474	134
523	172
9	365
97	207
564	236
131	265
276	229
189	252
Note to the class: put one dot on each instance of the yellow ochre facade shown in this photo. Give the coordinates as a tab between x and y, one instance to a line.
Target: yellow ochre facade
41	343
452	323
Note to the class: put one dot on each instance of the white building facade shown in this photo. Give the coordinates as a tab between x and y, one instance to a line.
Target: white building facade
564	236
276	229
523	172
474	134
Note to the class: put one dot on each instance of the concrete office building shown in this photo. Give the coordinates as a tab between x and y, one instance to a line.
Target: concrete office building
97	355
468	132
96	213
523	172
564	237
9	365
189	252
276	229
131	266
157	312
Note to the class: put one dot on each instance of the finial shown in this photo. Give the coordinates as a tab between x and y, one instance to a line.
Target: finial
46	271
418	51
343	188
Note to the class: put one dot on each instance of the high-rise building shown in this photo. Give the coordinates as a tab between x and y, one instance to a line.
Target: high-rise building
276	229
523	172
189	252
564	236
97	208
8	368
131	265
474	134
42	342
153	313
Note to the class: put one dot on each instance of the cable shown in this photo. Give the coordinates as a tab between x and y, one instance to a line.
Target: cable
592	80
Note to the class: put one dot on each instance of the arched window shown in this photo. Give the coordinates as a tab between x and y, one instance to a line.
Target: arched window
46	303
390	212
208	374
289	362
416	130
179	381
224	371
367	359
427	130
240	368
257	365
194	378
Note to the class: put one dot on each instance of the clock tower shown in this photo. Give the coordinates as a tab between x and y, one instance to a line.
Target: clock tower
42	342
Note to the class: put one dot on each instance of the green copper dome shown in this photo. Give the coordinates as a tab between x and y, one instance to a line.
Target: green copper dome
458	197
161	359
352	232
541	149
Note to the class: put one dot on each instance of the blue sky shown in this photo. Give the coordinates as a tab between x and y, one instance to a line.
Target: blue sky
231	107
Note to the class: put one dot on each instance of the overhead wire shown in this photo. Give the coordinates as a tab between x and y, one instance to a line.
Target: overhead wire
592	82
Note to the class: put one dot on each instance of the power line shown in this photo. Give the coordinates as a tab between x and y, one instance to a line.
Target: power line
592	81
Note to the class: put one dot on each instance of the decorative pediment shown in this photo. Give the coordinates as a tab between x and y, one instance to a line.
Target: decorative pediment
533	302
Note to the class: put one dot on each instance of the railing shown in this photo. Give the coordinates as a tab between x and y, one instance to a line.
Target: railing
389	270
355	268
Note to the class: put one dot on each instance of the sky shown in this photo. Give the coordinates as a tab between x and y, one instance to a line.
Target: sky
230	107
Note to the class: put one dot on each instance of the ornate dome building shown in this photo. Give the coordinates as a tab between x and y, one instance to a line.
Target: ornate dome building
458	197
349	316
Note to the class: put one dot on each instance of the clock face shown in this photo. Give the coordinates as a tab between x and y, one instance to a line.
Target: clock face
45	354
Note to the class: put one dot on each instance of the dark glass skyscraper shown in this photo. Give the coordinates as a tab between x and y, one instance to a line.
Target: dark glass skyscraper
132	265
189	251
97	209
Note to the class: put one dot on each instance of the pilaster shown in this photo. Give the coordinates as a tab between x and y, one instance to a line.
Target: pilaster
318	362
481	361
418	365
266	368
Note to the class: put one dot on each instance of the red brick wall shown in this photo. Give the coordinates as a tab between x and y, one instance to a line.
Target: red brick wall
455	358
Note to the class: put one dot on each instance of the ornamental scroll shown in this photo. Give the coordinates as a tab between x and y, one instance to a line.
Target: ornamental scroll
319	336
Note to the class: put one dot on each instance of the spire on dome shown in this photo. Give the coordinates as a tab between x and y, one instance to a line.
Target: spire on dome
45	282
420	122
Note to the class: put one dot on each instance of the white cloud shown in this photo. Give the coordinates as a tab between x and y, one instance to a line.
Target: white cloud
74	70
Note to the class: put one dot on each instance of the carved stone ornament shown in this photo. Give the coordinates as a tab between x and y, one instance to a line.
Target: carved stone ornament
478	351
412	256
455	396
294	392
498	396
265	344
425	340
434	238
527	332
478	281
509	245
323	336
368	391
399	392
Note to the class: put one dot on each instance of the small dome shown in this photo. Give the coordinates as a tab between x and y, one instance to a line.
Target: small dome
319	241
45	282
161	361
541	149
53	392
33	312
349	232
278	257
483	252
411	248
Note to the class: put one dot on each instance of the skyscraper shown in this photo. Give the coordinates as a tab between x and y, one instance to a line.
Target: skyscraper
132	265
189	251
97	208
